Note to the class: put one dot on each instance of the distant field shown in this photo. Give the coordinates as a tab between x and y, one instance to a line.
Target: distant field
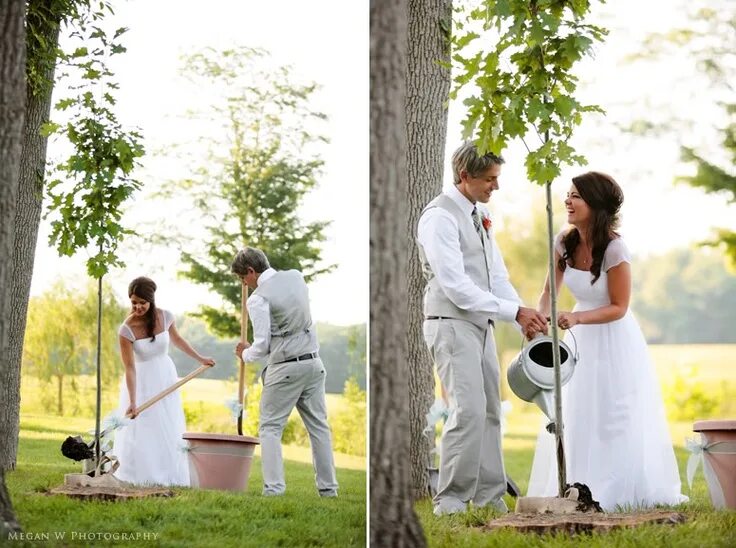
217	391
715	362
209	391
715	369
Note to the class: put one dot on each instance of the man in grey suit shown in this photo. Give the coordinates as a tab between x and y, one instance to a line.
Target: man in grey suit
467	291
283	333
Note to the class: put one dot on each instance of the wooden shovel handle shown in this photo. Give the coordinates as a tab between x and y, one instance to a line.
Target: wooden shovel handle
170	389
244	338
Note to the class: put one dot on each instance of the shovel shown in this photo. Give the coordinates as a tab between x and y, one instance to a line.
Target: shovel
76	449
244	338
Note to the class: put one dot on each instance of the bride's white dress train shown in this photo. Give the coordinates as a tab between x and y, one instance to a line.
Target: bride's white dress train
150	447
616	436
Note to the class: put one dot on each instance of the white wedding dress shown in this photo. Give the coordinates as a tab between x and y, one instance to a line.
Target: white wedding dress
615	430
149	448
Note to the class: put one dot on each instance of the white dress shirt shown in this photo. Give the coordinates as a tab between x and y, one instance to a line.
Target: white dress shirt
438	234
260	316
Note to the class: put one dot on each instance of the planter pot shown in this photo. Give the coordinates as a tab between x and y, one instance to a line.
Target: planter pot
220	461
718	447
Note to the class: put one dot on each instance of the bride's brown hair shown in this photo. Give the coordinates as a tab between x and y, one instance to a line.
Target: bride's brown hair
604	197
145	288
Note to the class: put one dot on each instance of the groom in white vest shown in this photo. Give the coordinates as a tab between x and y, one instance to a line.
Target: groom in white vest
284	334
467	291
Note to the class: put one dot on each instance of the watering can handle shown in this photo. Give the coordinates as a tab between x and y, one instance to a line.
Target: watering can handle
577	356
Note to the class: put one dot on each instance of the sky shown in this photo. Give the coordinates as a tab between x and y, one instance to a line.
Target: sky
324	42
327	42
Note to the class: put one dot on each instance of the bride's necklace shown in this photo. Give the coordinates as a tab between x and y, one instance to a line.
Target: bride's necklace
585	260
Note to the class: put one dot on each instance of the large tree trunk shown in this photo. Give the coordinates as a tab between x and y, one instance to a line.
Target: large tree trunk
12	111
427	91
8	523
393	521
42	43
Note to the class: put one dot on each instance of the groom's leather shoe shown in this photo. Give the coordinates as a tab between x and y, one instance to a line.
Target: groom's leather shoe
445	507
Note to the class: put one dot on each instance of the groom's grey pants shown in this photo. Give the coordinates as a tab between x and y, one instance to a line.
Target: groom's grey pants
285	385
471	462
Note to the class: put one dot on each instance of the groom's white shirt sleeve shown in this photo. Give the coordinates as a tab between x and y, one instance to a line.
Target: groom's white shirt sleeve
260	317
502	286
437	232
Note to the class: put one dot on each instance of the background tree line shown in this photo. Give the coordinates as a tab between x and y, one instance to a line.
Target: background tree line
342	349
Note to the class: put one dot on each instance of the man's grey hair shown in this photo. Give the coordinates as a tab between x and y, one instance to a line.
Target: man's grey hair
466	158
249	257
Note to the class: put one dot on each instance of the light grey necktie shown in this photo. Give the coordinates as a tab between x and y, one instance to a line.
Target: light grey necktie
477	222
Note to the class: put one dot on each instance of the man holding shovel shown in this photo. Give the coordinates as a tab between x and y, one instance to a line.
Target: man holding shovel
468	289
284	335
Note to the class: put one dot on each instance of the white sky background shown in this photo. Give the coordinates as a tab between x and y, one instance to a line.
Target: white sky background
657	214
323	41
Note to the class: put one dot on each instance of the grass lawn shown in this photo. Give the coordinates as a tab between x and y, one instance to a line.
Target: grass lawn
190	518
705	527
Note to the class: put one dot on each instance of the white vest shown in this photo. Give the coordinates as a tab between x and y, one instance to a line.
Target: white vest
291	320
477	260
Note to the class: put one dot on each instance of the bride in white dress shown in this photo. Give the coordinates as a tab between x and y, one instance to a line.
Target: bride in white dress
149	447
615	430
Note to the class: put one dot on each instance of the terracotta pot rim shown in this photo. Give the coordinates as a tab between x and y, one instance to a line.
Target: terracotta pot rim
719	424
219	437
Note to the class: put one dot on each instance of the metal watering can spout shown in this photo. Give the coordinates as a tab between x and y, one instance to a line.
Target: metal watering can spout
545	400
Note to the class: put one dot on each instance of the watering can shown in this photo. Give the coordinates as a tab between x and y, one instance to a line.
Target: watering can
531	375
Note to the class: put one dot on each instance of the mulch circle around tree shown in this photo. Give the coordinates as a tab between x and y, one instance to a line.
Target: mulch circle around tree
583	522
110	493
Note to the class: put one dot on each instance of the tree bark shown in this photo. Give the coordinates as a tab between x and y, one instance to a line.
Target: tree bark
8	522
12	112
41	63
393	521
427	93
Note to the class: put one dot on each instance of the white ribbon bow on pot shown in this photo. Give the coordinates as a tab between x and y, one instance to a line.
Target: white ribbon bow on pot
697	450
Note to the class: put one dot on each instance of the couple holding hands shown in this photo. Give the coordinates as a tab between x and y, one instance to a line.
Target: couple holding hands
616	437
150	447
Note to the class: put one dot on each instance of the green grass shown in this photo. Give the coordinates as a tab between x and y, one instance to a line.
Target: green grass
192	517
705	527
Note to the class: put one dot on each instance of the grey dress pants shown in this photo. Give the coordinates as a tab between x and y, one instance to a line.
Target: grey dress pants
471	461
286	385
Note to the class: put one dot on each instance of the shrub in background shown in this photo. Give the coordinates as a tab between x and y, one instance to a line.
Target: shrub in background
349	425
689	399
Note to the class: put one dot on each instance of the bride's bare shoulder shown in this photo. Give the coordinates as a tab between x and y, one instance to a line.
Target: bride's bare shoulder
131	320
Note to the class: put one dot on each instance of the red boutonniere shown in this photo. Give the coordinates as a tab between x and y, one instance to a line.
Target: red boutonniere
487	224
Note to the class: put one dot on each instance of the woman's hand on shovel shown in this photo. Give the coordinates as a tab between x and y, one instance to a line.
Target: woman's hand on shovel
207	361
131	411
